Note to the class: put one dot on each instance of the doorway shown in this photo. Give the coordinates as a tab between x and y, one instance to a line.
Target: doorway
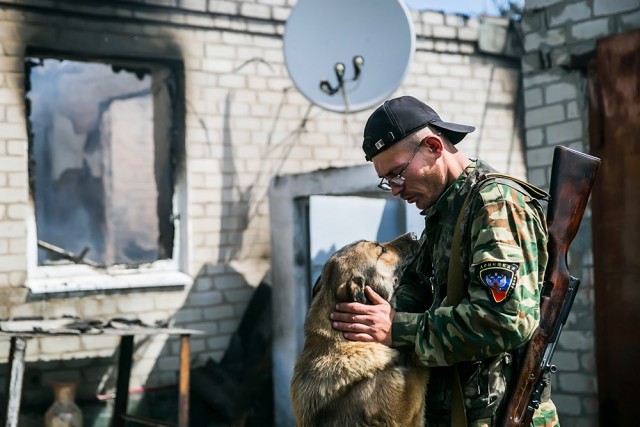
614	126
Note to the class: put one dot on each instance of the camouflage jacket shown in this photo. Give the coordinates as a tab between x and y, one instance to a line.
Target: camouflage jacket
503	252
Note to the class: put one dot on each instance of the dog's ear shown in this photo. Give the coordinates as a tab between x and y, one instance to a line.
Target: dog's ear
328	271
316	287
352	290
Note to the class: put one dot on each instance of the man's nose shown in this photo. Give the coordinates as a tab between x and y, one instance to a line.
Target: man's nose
395	190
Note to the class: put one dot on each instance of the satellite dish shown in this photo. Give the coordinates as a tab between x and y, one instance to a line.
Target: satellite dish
348	55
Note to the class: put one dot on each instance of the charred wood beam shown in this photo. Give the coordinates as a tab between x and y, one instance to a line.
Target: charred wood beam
122	382
63	253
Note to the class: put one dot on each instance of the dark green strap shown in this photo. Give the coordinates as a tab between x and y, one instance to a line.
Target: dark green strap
455	292
518	184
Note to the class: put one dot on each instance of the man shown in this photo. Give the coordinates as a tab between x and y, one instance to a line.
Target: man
500	264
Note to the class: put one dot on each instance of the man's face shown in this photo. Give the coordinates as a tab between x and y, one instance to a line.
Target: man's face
424	177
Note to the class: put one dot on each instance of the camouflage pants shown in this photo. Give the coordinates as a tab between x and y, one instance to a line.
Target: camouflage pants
546	415
482	409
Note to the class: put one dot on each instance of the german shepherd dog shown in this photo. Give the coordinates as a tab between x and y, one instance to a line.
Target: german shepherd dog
341	383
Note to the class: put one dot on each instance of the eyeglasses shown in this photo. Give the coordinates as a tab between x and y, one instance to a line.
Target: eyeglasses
398	180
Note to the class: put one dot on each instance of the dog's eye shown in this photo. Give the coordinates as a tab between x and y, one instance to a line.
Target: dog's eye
383	249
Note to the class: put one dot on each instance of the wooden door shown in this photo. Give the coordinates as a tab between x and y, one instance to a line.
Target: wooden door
614	128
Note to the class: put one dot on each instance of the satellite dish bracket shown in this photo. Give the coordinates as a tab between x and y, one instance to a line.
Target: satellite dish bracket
339	68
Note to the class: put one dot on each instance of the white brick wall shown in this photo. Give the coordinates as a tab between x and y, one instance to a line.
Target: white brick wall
245	123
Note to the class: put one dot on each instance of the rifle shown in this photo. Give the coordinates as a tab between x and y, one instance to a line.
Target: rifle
572	176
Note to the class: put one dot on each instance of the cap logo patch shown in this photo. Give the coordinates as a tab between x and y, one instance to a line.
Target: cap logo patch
500	279
379	144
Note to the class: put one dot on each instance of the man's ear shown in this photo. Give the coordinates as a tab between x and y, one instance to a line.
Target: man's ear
352	290
433	144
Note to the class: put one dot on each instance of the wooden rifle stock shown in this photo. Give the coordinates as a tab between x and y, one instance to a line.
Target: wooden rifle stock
572	176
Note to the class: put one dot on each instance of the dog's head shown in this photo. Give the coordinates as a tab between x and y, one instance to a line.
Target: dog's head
365	263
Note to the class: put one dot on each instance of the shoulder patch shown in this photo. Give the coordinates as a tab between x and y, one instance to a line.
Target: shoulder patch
500	279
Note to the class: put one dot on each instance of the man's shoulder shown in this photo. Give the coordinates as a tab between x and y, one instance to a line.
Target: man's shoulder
496	187
492	191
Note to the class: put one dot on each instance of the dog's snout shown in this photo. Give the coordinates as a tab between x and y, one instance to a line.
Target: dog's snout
408	236
411	237
405	243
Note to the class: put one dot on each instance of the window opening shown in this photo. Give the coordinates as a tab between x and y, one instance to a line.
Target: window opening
102	161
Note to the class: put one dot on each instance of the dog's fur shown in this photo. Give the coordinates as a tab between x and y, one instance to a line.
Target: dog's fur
341	383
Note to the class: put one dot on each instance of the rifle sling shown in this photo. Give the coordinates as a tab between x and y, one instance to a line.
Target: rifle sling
455	292
455	285
522	186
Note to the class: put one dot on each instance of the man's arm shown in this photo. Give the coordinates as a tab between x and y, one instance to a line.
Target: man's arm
501	307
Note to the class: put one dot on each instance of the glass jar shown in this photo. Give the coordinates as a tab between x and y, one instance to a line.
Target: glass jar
63	412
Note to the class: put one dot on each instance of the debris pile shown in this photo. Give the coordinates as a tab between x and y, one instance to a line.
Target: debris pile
238	390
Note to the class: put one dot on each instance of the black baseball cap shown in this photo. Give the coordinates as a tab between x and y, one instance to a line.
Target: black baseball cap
399	117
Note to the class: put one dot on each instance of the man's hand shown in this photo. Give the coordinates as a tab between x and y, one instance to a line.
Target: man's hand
363	322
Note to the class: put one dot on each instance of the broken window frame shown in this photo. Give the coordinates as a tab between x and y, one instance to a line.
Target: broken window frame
82	276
